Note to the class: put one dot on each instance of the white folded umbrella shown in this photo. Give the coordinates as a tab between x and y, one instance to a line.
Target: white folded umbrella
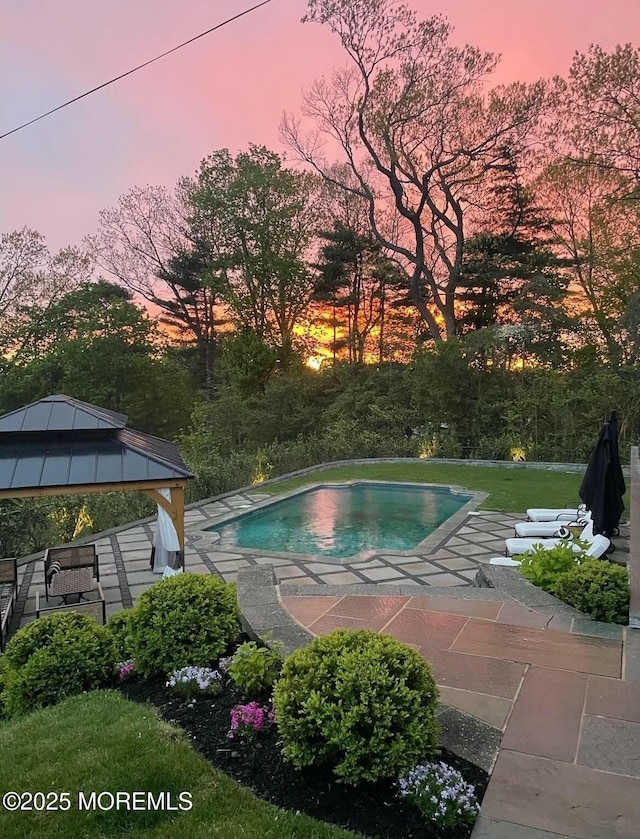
165	540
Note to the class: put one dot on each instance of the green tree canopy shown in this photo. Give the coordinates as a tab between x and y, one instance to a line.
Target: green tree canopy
95	344
257	220
31	276
145	243
601	111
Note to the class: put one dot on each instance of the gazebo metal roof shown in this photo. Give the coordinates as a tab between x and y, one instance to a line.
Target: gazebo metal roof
60	413
60	446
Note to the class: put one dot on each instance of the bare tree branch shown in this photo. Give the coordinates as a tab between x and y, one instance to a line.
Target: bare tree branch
419	133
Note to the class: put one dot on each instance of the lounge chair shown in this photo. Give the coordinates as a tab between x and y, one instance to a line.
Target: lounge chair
597	545
504	560
70	570
8	595
562	514
525	529
522	545
96	609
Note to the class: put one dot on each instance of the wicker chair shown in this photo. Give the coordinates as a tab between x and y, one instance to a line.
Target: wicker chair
70	570
96	609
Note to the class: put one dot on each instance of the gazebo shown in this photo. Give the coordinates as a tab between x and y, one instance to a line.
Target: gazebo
62	446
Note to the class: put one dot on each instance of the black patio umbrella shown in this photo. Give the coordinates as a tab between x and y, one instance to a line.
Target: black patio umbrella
603	484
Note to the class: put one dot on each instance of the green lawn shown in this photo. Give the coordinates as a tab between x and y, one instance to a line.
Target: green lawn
510	490
100	742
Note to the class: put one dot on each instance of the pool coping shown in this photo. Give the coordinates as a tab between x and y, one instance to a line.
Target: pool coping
211	539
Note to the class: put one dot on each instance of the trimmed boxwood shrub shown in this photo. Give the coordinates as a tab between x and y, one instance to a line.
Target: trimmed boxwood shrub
188	619
119	626
54	657
360	703
598	588
43	632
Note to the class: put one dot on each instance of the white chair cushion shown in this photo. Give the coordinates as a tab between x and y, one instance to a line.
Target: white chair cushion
504	560
561	514
521	546
599	546
526	529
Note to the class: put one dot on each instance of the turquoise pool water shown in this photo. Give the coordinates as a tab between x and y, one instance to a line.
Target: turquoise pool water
341	521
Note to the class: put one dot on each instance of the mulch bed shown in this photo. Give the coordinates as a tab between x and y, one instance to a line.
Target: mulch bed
370	809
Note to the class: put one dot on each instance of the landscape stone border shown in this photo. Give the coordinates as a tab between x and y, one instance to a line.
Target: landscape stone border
511	582
452	461
265	619
394	590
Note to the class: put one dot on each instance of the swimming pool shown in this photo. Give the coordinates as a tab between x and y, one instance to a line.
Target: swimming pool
343	520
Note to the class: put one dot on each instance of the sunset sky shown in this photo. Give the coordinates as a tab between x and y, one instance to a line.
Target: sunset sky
226	90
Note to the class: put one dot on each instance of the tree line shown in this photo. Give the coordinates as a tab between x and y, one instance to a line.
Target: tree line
465	259
428	207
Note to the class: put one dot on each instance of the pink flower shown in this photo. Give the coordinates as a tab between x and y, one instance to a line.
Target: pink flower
126	669
248	719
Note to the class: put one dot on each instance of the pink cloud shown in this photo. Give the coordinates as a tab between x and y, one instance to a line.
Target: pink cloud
226	90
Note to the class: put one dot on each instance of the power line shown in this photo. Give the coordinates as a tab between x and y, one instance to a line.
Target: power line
139	67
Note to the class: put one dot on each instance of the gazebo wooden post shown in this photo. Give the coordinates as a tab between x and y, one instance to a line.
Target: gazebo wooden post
177	515
175	508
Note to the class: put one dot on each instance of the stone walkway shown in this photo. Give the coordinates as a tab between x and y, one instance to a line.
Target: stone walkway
569	758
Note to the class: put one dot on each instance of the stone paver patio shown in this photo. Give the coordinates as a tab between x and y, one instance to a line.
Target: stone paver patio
557	691
451	559
569	758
